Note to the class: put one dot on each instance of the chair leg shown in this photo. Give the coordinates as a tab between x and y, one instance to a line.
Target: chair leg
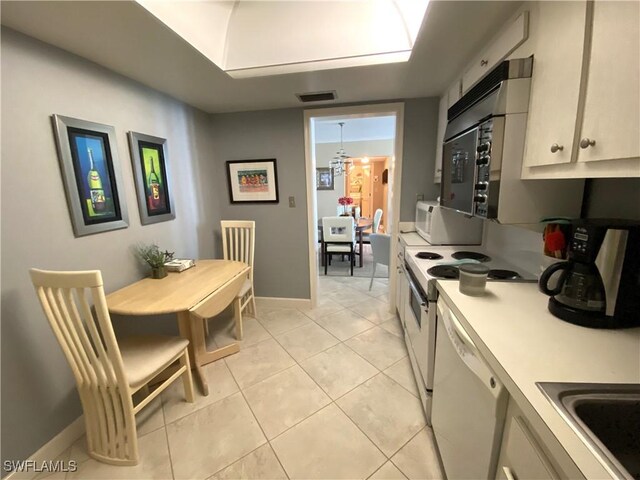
372	275
326	262
253	303
352	257
237	313
187	379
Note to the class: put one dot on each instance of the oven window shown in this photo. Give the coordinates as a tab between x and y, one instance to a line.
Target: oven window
458	172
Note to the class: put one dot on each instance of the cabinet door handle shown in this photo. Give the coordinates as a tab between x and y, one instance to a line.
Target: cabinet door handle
483	62
586	143
508	473
557	148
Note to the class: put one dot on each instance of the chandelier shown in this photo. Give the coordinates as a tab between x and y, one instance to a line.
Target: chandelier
341	162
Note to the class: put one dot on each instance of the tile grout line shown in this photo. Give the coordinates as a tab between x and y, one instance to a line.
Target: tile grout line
259	425
334	402
393	365
166	433
404	445
298	364
388	458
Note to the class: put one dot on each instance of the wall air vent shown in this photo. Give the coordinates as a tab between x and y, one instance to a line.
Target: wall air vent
317	96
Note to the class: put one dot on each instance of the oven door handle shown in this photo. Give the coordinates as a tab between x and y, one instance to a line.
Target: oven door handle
414	289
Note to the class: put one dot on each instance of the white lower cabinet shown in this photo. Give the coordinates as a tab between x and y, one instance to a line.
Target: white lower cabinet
527	454
521	457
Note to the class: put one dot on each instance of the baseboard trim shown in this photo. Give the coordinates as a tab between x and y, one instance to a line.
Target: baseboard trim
52	449
278	302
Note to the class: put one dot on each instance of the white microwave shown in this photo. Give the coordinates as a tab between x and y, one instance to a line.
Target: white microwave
443	226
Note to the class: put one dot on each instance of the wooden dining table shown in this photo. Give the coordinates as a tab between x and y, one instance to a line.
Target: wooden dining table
178	293
362	224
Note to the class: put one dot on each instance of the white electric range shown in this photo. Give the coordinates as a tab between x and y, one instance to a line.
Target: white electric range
423	266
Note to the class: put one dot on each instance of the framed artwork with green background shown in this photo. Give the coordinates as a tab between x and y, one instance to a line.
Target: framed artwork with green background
151	171
91	174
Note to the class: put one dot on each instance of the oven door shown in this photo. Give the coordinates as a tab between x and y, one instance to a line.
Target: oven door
420	328
459	171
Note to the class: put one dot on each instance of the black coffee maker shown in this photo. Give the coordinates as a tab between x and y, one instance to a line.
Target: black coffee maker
599	286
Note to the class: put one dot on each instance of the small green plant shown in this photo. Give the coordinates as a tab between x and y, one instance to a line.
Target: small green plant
152	256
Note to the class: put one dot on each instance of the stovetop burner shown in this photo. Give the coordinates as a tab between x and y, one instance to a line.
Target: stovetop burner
444	271
501	274
428	255
462	255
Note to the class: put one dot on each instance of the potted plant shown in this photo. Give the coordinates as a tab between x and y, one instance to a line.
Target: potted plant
346	203
152	256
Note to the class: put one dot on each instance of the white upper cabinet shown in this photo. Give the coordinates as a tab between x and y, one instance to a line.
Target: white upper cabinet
501	46
454	93
442	126
558	48
612	101
584	111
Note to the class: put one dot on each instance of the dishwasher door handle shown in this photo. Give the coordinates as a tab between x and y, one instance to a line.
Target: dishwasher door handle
471	357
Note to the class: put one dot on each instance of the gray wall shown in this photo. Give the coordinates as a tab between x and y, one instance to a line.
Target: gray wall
418	159
281	267
615	198
38	392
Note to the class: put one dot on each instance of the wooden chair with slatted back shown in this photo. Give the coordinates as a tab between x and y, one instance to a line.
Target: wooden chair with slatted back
107	371
238	243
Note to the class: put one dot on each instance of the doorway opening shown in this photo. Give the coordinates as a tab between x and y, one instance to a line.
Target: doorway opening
373	145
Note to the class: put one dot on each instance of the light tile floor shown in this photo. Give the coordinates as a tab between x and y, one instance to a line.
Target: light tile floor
322	393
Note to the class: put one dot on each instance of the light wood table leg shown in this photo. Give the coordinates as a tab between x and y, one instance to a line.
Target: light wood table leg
192	327
187	331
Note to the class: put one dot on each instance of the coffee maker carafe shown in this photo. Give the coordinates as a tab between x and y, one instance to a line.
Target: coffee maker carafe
599	285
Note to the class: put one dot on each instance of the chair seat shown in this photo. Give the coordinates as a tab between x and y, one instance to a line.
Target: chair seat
144	356
332	248
246	286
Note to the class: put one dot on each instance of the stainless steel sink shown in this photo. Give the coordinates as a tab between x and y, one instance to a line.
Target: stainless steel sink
606	417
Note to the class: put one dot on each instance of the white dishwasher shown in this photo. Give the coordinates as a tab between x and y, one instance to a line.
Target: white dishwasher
469	403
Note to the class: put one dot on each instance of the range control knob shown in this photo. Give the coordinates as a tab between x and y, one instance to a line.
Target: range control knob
483	160
484	147
481	186
480	199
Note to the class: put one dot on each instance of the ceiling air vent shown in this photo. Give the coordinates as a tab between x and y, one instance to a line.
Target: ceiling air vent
317	96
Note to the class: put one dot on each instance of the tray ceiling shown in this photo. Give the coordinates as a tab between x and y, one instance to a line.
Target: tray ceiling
126	38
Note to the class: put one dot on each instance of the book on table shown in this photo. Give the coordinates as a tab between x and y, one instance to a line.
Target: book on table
179	264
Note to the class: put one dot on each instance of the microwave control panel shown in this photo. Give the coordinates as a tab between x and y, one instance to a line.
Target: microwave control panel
483	169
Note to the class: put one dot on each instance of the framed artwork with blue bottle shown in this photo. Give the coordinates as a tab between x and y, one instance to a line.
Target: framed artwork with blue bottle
91	175
151	173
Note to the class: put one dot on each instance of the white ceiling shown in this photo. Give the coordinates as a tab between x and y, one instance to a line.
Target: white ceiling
255	38
355	129
126	38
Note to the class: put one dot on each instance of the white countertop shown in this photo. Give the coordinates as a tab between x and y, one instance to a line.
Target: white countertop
524	344
412	239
